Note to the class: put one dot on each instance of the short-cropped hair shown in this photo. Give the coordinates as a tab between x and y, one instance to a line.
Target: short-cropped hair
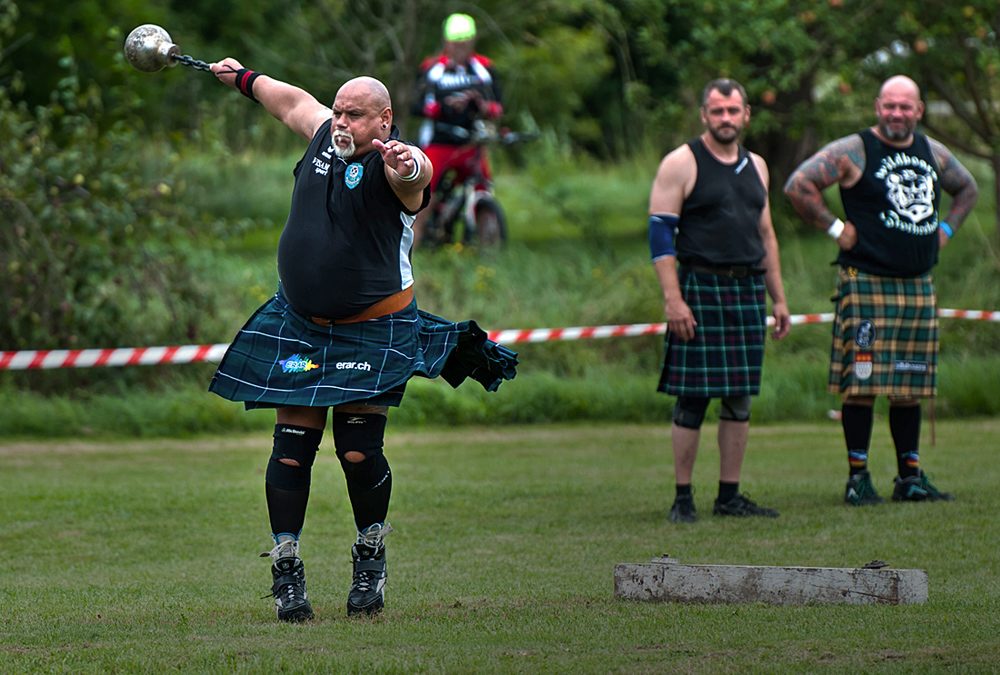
724	86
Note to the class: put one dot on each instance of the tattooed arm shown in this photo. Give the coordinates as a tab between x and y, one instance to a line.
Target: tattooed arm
958	182
841	162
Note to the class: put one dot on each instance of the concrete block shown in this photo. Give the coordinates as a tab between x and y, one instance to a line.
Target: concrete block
667	580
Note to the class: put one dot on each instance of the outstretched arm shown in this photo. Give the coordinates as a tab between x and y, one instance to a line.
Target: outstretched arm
294	107
841	162
407	169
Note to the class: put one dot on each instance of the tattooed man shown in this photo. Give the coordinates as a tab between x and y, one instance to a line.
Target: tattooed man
885	336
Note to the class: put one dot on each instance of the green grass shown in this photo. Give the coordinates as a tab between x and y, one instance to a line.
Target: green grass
142	557
578	256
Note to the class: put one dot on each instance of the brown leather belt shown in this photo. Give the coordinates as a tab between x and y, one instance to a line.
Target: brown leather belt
733	272
393	303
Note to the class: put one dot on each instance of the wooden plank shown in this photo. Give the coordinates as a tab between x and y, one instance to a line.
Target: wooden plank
677	582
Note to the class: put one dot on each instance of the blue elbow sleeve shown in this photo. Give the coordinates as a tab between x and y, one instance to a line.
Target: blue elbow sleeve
662	228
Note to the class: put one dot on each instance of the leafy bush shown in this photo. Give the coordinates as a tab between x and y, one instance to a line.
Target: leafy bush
97	239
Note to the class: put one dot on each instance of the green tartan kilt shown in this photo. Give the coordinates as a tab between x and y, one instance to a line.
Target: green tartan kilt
885	336
281	358
726	355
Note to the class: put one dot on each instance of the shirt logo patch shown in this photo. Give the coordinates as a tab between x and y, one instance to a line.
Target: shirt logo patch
353	175
863	366
910	366
864	334
296	364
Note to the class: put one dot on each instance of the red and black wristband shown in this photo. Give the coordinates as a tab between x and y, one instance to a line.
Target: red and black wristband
244	82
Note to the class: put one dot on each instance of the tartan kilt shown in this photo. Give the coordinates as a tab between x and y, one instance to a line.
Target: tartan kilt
281	358
885	336
726	355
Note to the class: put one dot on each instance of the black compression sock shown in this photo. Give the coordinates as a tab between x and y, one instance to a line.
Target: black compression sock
904	423
857	421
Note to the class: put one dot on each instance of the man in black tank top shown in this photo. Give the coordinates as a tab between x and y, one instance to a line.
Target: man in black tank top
885	335
709	212
343	330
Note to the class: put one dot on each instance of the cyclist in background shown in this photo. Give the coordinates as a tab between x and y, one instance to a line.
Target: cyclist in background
456	88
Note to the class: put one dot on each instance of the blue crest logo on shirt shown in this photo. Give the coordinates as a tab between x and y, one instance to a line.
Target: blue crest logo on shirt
864	334
353	176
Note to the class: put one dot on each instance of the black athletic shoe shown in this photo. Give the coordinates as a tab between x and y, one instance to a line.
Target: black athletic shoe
683	510
367	595
860	491
289	590
918	489
741	506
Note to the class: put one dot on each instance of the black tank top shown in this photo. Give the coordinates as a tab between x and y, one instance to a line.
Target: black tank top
346	244
895	209
720	220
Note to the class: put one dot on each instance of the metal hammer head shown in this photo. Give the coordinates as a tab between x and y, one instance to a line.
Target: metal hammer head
148	48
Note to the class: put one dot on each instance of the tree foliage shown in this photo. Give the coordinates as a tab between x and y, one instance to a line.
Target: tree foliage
96	241
952	49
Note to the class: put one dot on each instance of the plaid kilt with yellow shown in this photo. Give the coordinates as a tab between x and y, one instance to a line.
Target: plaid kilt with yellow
885	336
281	358
726	355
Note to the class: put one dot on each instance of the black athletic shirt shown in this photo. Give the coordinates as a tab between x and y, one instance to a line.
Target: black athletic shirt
720	220
346	244
895	209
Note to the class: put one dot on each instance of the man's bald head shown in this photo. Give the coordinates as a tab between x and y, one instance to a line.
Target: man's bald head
362	113
900	85
371	88
898	108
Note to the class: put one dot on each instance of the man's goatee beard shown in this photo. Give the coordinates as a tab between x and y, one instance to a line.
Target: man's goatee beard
343	152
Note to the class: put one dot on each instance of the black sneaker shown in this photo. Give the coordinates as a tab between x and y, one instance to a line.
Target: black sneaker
683	510
860	491
741	506
289	590
367	595
918	489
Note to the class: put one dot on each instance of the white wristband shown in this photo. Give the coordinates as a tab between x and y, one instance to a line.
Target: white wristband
413	176
836	227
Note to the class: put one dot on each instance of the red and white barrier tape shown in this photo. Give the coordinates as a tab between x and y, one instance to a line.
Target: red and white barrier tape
149	356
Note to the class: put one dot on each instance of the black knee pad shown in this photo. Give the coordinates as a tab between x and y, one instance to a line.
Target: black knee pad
689	411
297	443
735	408
364	433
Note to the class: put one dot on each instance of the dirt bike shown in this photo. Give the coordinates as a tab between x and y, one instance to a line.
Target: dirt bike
468	211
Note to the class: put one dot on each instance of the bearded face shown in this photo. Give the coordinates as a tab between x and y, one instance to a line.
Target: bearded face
898	109
725	116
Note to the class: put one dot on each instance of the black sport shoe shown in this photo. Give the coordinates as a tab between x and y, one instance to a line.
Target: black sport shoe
683	510
367	595
860	491
918	489
289	587
741	506
289	590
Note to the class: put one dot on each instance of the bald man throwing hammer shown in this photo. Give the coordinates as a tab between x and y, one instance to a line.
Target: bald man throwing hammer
343	330
885	335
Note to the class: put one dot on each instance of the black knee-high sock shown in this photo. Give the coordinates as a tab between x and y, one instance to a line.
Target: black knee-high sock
369	492
857	421
286	509
369	482
904	423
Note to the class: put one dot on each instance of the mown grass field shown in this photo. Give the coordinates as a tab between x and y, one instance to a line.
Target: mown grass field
141	556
